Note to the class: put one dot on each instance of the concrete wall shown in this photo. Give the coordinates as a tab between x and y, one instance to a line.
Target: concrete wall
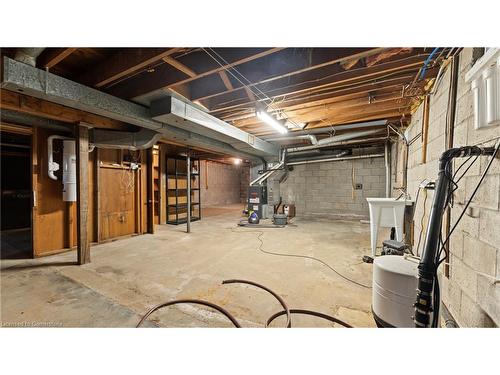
221	183
469	293
327	188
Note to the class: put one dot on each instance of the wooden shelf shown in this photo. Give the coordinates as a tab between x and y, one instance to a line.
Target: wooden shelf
177	207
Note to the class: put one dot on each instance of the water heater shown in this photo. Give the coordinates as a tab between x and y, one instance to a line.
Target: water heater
68	167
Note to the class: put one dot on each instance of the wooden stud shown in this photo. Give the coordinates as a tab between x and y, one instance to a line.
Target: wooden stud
150	191
82	193
425	128
34	187
97	195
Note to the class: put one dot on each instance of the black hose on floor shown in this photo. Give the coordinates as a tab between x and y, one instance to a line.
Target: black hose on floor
309	312
192	301
275	295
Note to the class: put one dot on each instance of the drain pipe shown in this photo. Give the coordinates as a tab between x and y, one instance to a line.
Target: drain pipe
336	159
321	157
334	144
387	159
28	55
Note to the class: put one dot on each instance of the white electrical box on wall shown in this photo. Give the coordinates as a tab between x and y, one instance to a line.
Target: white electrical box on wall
484	77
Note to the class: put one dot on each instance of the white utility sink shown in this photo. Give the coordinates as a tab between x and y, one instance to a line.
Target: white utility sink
387	213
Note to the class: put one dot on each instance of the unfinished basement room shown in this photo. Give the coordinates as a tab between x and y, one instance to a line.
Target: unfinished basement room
171	172
250	187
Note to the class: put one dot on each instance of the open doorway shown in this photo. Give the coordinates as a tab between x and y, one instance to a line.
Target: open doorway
16	190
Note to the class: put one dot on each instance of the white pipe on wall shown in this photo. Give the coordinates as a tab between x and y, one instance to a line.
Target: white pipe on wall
336	159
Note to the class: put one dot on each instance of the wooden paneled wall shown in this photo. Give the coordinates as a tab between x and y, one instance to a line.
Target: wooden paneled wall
117	198
54	221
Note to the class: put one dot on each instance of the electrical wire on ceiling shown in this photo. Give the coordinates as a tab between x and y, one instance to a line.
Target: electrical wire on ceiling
249	85
329	85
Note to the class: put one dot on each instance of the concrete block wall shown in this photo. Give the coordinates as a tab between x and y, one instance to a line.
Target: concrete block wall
470	292
220	183
244	182
327	188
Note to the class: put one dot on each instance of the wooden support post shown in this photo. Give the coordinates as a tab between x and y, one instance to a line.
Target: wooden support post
82	193
425	128
97	195
150	192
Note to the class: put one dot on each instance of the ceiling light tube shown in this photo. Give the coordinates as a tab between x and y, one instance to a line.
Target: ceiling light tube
271	121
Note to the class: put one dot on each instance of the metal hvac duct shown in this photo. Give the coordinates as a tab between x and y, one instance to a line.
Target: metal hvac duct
186	124
143	139
324	130
332	143
28	55
311	138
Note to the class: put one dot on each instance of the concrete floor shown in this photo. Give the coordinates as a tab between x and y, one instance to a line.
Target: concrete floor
128	276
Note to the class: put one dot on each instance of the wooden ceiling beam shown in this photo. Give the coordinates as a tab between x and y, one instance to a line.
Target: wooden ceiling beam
317	113
281	71
346	79
179	66
124	64
41	108
225	80
53	56
160	81
307	101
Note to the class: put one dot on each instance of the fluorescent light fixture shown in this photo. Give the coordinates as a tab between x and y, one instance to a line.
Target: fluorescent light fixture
271	121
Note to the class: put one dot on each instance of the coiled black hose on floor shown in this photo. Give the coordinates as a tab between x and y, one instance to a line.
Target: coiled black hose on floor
309	312
192	301
287	311
275	295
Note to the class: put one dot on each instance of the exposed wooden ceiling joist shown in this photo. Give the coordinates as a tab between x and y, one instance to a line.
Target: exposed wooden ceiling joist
343	78
123	64
179	66
282	66
157	81
225	80
311	100
53	56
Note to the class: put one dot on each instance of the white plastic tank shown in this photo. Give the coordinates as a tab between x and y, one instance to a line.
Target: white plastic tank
394	290
69	171
478	98
491	77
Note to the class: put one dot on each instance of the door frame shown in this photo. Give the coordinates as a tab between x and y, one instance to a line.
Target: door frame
31	132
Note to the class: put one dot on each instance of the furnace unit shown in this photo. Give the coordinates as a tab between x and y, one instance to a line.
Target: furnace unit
257	200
